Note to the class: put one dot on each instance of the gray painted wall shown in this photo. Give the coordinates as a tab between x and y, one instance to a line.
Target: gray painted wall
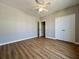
16	25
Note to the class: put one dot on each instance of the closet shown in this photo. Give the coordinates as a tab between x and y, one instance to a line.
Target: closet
65	28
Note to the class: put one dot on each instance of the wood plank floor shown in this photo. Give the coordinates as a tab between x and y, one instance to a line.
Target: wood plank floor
41	48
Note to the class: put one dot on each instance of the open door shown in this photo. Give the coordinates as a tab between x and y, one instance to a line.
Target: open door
38	29
43	29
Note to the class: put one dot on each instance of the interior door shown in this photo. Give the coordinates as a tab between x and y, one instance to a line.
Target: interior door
65	28
38	29
43	29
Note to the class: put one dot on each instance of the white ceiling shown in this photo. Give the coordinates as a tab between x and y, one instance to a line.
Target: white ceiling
27	5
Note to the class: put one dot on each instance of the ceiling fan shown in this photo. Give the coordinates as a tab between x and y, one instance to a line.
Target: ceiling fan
41	5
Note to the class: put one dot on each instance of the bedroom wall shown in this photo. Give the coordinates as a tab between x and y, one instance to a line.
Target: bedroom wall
16	25
50	21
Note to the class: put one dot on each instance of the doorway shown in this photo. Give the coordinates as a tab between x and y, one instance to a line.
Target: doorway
43	29
38	29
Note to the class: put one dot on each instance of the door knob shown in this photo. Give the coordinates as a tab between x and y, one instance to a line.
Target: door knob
63	30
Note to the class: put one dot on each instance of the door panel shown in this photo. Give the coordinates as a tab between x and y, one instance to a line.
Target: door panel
65	28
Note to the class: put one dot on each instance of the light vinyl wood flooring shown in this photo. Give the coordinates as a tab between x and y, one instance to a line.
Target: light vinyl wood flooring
40	48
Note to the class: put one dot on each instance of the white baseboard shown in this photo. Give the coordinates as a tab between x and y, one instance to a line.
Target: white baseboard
63	40
30	38
51	37
76	43
16	41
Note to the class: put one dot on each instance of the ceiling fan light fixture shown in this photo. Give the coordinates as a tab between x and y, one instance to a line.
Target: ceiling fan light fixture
41	6
42	9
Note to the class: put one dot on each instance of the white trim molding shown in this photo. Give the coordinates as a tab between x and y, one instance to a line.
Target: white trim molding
63	40
17	41
51	37
76	43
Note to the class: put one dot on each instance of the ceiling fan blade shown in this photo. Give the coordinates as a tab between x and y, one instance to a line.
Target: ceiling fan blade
37	1
48	3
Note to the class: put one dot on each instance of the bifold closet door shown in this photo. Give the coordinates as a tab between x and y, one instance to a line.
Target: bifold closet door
65	28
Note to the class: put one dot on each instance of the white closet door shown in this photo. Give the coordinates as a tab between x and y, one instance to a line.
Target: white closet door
65	28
